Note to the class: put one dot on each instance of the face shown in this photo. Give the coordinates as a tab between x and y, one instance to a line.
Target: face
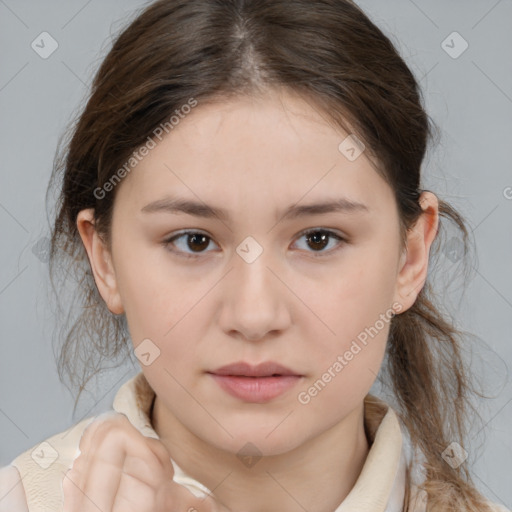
311	290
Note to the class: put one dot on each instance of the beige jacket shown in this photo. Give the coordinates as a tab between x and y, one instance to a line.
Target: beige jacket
380	486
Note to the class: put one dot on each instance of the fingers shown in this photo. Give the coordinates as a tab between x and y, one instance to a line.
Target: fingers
117	467
162	455
79	494
121	470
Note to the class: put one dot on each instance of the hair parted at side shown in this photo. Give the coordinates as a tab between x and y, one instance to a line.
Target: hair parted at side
330	53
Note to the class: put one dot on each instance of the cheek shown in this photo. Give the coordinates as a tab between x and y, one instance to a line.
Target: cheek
345	364
162	310
334	394
153	295
356	310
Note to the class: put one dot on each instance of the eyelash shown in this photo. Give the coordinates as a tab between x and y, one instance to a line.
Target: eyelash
316	254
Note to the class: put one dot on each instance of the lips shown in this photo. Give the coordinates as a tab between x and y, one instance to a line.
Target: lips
255	383
265	369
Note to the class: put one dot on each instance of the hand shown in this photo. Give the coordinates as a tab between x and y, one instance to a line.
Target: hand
121	470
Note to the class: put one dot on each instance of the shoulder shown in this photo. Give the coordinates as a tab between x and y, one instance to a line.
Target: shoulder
12	494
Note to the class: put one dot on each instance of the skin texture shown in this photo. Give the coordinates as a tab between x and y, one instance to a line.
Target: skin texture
254	157
120	470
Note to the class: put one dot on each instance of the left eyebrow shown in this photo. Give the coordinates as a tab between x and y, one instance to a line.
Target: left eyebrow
179	205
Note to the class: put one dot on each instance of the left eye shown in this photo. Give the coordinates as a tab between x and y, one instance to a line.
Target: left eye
197	242
319	239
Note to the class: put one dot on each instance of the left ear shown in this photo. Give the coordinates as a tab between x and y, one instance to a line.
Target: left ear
414	260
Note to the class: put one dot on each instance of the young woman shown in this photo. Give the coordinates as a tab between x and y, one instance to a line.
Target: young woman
241	204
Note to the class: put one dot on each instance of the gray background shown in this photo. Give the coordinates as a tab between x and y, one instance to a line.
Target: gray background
470	98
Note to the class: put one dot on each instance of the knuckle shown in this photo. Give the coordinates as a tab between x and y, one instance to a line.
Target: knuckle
105	428
106	423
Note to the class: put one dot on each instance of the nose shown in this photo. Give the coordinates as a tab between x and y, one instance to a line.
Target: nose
255	301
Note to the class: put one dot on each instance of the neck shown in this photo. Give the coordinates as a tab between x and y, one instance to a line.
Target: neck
330	464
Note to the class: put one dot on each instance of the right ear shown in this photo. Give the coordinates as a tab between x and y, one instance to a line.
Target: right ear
100	260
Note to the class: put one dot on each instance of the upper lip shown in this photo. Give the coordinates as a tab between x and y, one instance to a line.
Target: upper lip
265	369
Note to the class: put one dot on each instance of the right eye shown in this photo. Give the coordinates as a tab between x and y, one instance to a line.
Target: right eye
189	240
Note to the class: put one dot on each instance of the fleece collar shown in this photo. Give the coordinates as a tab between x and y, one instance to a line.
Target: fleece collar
380	486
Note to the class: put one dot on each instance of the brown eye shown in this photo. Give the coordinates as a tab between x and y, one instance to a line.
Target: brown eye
191	244
187	243
318	239
197	241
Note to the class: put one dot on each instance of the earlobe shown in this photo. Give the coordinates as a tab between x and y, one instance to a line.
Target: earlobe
100	260
414	261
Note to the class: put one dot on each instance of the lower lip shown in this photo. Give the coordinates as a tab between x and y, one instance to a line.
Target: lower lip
256	389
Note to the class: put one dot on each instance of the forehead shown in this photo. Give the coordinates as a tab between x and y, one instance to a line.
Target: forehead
274	149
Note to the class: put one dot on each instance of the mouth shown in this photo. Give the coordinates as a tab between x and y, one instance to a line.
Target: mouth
257	384
265	369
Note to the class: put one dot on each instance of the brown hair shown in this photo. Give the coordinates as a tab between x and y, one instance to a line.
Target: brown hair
332	54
